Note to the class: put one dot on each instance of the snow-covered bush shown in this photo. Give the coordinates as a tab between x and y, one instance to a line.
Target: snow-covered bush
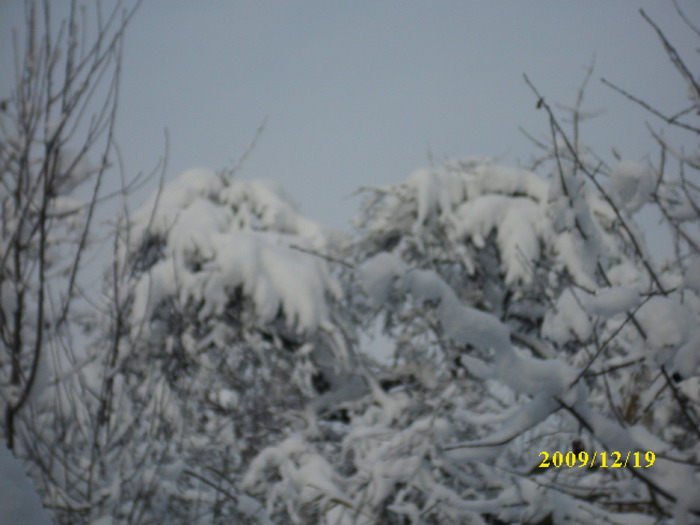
523	321
527	315
232	323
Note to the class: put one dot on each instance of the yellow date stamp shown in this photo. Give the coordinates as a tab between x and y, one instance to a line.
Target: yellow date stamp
612	459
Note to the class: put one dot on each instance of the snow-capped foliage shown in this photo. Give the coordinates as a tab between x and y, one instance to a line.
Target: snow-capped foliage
536	327
232	322
268	267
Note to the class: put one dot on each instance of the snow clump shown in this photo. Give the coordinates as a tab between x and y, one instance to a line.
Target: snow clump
631	184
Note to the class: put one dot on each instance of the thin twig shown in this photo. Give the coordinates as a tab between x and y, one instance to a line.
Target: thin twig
321	255
650	109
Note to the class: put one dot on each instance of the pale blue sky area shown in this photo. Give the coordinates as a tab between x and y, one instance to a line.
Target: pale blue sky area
356	93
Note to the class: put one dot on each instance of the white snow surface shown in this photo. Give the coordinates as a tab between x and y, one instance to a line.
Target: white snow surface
160	212
578	258
431	193
507	181
666	322
567	319
528	415
19	502
608	302
274	274
269	207
475	197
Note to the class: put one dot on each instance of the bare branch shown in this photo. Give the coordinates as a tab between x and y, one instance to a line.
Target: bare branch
669	120
676	59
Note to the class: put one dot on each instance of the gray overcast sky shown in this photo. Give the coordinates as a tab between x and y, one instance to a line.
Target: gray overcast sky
357	92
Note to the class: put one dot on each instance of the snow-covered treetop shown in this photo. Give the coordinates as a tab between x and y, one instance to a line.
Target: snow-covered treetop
205	234
450	211
260	205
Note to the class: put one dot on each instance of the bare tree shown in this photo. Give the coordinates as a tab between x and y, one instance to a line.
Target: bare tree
57	147
51	126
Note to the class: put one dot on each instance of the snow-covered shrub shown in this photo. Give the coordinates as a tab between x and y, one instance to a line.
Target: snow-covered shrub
231	320
526	315
524	319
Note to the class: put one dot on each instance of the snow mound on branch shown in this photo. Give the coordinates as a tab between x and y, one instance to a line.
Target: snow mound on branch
194	226
432	190
631	183
220	234
567	320
507	181
263	204
160	212
275	274
611	301
527	416
626	274
377	275
386	273
474	198
439	191
666	322
517	222
468	326
308	476
577	259
533	376
271	269
19	501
